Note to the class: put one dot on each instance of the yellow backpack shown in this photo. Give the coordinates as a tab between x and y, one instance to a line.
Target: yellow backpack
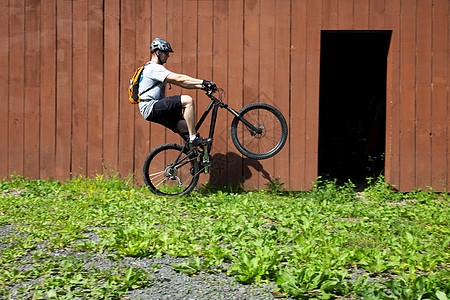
133	88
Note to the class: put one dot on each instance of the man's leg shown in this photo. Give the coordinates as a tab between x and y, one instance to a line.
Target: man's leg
189	113
182	126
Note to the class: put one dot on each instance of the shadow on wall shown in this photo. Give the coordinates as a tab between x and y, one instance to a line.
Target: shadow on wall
232	169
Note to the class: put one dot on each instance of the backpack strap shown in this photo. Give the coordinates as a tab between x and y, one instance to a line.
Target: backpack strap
142	74
147	90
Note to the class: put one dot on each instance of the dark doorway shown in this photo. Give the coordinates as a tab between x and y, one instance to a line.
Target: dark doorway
352	114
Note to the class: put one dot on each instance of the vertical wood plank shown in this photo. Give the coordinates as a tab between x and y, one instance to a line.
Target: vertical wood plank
345	15
4	87
376	15
234	98
281	81
142	130
423	94
219	68
32	103
439	101
16	84
313	21
127	68
361	14
64	89
251	73
95	92
448	108
330	10
297	158
47	91
111	85
392	159
174	64
407	104
80	88
143	31
175	37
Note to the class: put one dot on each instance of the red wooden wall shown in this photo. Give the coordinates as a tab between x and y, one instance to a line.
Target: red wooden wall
65	67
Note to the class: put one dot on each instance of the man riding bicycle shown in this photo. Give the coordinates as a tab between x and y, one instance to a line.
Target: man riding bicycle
175	112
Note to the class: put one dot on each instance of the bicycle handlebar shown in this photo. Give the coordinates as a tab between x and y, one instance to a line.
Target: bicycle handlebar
209	94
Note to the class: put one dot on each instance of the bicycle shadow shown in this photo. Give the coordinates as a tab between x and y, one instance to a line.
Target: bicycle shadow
233	170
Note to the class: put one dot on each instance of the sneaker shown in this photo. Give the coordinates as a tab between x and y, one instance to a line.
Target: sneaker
199	141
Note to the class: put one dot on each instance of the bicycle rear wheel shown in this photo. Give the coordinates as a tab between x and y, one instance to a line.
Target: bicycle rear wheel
271	138
169	171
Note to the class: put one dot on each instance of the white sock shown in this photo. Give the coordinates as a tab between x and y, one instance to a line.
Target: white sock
192	137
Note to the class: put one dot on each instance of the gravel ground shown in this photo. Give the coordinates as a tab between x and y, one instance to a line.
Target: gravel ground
169	284
166	282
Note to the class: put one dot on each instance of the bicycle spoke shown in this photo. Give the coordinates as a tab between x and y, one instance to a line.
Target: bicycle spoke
160	182
269	141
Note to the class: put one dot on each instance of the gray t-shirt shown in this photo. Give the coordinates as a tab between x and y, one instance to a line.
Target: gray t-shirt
152	77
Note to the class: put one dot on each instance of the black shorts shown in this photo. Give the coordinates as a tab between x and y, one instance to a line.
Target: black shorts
167	112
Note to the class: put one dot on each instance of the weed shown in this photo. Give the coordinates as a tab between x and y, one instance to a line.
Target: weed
275	185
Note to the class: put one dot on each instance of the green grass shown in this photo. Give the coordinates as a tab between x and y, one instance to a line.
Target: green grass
328	242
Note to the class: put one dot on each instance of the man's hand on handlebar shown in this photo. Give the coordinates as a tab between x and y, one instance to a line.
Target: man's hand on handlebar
209	86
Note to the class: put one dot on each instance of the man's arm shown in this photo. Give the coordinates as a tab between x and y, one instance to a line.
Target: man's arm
184	81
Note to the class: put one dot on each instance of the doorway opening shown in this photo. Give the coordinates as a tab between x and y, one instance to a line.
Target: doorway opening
352	110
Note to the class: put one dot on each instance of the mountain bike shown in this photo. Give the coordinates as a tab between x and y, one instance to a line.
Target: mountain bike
258	131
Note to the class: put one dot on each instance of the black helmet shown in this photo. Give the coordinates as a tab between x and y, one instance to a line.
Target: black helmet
162	45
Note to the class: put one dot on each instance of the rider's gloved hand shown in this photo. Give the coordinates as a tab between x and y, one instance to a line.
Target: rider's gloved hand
209	86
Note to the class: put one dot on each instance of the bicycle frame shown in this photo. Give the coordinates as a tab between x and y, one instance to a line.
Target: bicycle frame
214	106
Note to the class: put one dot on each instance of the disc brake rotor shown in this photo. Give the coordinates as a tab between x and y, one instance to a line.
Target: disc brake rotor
262	133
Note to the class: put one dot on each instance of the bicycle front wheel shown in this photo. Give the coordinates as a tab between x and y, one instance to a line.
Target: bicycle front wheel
171	171
272	133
